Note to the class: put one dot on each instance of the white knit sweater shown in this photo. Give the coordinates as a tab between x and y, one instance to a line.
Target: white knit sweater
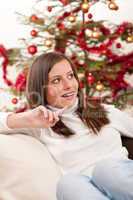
82	151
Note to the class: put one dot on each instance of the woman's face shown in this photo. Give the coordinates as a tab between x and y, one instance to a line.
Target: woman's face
62	85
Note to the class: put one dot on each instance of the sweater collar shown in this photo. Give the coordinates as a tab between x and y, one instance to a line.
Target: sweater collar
70	109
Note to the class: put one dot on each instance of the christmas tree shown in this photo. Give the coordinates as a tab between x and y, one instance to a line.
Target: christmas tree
95	48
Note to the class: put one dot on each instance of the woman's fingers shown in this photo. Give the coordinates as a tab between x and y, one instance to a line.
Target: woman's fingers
53	117
50	116
56	117
43	110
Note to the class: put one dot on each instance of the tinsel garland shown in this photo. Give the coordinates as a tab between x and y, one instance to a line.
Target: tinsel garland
20	82
105	46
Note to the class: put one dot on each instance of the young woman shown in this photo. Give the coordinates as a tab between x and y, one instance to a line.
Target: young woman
84	138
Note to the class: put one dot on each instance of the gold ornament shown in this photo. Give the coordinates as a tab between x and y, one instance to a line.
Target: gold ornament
99	86
48	43
113	6
88	32
129	38
96	34
85	7
71	18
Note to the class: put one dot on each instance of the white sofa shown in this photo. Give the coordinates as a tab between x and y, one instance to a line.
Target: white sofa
27	171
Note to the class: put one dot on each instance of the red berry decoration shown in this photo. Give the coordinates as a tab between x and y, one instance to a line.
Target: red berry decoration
118	45
14	100
90	79
49	8
90	16
33	33
32	49
61	26
33	18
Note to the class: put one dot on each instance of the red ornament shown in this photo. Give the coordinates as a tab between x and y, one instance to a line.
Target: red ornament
121	28
90	16
80	34
49	8
90	79
32	49
81	85
118	45
61	26
66	14
34	33
33	18
14	100
64	2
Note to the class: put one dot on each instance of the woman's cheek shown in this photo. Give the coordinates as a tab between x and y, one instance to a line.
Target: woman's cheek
53	91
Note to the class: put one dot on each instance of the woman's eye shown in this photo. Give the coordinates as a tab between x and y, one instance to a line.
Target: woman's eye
56	80
70	76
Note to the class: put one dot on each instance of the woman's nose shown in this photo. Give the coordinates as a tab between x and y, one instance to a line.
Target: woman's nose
66	84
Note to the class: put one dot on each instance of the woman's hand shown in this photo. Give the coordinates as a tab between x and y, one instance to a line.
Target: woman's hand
39	117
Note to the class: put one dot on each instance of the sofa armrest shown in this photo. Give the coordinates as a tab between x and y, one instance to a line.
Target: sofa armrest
128	143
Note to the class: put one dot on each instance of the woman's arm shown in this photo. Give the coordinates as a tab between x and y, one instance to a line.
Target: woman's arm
10	123
37	118
120	120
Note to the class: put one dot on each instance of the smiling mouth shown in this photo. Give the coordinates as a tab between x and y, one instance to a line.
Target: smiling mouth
69	94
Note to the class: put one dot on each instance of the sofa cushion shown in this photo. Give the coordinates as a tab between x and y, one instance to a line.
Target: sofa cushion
27	170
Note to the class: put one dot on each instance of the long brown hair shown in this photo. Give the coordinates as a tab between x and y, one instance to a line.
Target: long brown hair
93	114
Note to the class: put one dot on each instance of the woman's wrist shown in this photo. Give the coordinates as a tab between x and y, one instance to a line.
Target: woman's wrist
18	120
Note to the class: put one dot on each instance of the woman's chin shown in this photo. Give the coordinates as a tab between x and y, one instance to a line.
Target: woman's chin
69	101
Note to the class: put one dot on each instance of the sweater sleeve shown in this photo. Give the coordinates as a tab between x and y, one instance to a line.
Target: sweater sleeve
120	120
4	129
